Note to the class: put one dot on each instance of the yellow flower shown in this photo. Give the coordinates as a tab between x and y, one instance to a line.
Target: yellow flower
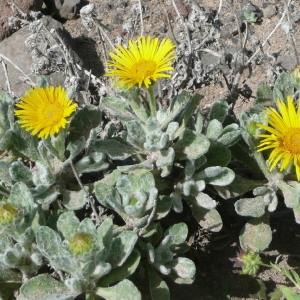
142	63
44	111
283	135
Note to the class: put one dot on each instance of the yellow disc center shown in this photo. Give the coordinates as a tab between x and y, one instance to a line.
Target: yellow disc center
291	140
143	69
52	114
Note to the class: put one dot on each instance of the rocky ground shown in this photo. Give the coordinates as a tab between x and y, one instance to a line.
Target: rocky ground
224	48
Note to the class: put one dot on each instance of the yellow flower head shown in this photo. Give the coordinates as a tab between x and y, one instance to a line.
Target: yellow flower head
282	135
142	63
44	111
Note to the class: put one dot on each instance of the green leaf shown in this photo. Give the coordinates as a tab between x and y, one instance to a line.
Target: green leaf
208	219
219	176
83	122
109	197
19	172
113	149
174	235
4	171
219	111
256	235
122	247
163	206
122	272
264	95
230	135
8	275
205	201
214	129
291	193
67	224
25	143
105	234
21	196
136	134
190	107
191	145
165	161
184	268
217	155
124	290
74	200
119	108
283	87
44	287
296	211
91	163
42	175
158	288
48	241
238	187
177	106
253	207
288	293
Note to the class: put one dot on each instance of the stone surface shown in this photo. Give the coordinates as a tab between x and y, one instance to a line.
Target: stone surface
7	10
64	9
32	55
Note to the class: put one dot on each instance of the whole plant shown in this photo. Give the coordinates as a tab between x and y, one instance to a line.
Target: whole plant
89	192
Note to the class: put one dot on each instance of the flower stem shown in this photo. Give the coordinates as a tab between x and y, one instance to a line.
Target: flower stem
152	103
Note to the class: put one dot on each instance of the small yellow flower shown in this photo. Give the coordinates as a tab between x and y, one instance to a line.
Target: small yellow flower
7	213
142	63
282	135
81	243
44	111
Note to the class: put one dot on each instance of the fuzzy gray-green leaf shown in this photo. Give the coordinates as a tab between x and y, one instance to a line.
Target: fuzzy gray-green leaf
158	287
48	241
67	224
253	207
219	111
122	272
214	129
219	176
44	287
83	121
256	235
74	200
124	290
122	247
191	145
19	172
119	108
113	149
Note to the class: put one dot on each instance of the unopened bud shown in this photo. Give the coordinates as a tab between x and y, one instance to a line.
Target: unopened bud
7	213
81	243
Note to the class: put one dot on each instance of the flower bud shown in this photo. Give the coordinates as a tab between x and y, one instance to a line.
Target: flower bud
249	261
251	128
8	212
296	74
81	243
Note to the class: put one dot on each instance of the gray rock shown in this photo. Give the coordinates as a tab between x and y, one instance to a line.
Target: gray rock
7	11
270	11
28	54
64	9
